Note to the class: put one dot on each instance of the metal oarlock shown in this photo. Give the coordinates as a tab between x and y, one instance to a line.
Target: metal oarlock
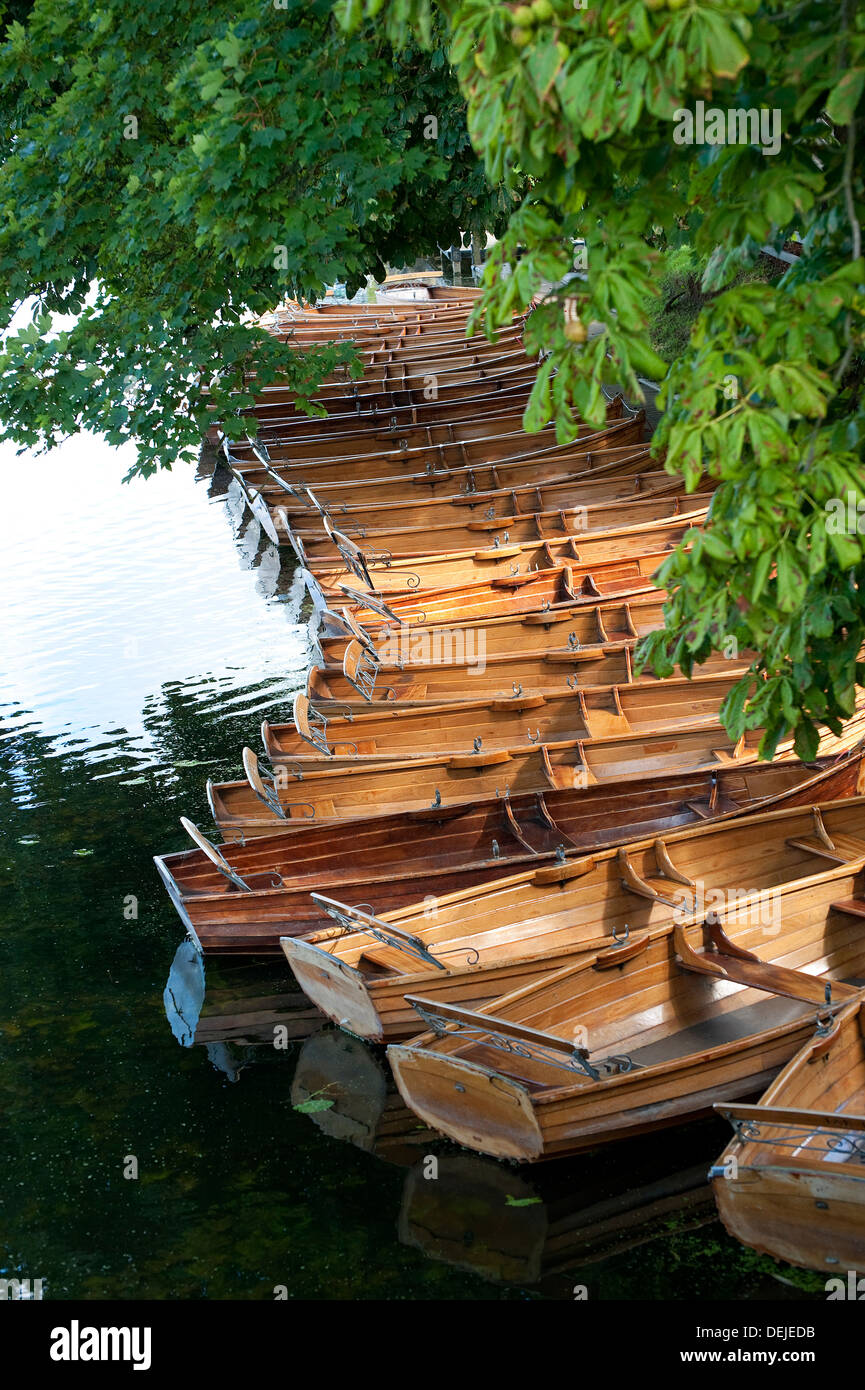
352	919
374	602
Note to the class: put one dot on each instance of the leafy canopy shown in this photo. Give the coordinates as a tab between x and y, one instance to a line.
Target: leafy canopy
172	170
765	396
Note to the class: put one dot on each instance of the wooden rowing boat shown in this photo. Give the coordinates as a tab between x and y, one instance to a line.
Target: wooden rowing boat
259	806
443	538
543	629
544	592
597	1051
242	897
516	702
460	673
342	474
484	512
456	468
400	387
445	350
386	443
447	368
469	491
298	427
485	380
508	566
469	947
792	1182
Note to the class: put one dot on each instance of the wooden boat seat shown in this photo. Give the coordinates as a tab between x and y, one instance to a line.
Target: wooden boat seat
673	889
571	775
778	979
732	963
845	849
853	907
605	723
707	809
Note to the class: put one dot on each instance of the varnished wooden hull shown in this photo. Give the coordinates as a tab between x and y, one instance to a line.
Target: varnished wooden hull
392	862
462	468
581	521
488	941
451	781
705	1043
550	709
792	1184
508	566
411	645
490	510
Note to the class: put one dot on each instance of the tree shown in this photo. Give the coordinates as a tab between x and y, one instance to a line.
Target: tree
596	103
173	170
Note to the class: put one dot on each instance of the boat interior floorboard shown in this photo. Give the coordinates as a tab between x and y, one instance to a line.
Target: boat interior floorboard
720	1029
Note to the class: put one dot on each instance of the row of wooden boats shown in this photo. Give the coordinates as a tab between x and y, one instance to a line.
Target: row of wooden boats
573	908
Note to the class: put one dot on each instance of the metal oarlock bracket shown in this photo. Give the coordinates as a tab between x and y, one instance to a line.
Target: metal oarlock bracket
352	919
374	602
575	1061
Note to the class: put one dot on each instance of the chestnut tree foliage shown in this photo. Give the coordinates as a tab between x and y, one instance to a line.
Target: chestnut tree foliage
170	171
767	397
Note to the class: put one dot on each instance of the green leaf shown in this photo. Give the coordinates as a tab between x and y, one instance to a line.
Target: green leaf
845	96
313	1105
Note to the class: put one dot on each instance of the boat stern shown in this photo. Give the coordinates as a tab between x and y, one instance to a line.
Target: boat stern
794	1214
336	988
468	1103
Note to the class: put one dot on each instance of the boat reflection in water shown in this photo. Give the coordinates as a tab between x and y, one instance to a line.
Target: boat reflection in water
494	1219
247	1013
365	1108
509	1226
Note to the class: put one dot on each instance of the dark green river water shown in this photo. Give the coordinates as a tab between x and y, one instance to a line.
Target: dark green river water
145	634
